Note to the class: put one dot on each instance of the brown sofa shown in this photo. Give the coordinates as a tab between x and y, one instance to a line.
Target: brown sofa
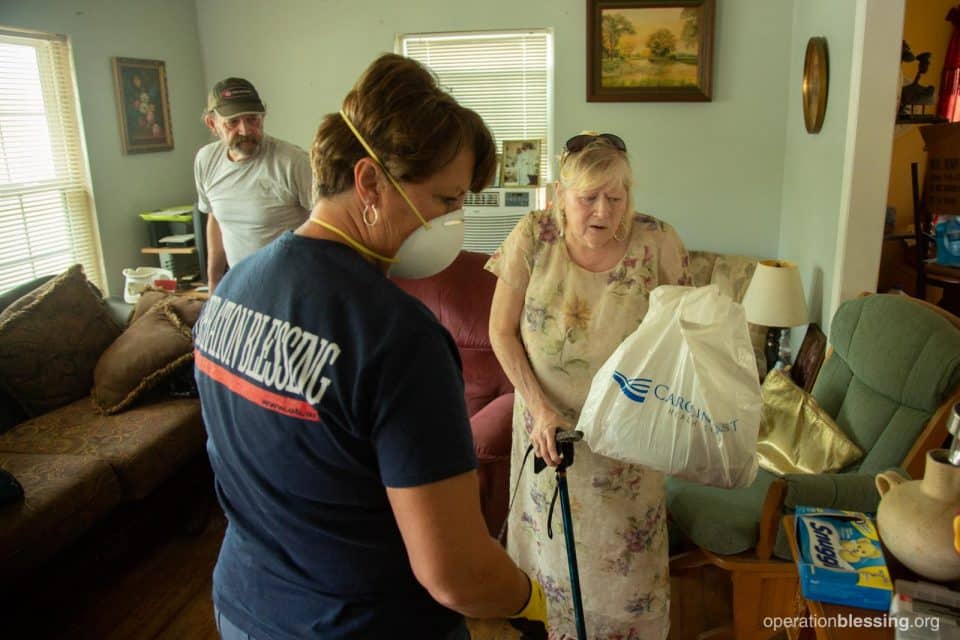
76	466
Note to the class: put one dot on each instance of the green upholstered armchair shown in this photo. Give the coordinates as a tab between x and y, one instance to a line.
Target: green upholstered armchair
889	383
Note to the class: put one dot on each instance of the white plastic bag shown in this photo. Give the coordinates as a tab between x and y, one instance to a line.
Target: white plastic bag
681	393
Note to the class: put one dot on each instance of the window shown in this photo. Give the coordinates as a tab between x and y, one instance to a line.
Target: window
506	77
46	208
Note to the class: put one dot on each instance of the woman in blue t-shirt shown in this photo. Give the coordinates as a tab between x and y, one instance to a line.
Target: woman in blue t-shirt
333	401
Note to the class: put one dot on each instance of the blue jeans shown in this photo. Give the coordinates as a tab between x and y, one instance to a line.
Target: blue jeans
230	631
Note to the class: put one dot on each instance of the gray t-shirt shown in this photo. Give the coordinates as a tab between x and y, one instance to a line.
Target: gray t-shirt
256	200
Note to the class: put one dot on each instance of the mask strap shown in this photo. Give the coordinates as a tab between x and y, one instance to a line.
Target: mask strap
390	177
353	243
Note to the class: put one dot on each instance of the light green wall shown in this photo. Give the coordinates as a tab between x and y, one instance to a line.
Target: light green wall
835	182
738	174
813	166
124	185
714	170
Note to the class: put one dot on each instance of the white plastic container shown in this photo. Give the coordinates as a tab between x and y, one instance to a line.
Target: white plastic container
139	279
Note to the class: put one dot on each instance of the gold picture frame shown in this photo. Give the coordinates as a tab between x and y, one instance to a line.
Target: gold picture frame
143	105
650	50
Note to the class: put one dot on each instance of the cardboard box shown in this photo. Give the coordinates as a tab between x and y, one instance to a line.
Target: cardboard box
841	560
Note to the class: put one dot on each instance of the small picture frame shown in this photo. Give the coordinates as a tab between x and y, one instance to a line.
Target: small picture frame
520	163
142	105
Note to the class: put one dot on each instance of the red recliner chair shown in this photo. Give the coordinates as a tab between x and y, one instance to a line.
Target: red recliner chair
460	297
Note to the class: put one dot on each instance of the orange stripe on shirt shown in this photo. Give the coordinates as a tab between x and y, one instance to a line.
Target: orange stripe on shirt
257	395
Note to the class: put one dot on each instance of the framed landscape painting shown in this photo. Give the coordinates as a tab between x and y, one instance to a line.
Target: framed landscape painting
650	50
142	104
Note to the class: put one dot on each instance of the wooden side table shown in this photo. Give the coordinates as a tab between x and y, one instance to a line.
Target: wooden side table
825	611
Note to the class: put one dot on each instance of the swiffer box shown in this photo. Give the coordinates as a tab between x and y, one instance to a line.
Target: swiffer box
840	559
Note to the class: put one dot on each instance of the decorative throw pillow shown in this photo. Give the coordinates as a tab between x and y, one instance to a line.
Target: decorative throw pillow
10	296
152	347
733	274
50	340
700	266
148	298
796	435
11	414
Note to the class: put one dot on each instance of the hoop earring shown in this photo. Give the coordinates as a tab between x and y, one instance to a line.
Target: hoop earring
563	222
376	215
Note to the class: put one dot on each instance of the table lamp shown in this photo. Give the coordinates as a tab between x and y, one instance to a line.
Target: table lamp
774	299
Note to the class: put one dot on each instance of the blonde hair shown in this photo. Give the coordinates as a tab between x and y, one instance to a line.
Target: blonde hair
599	163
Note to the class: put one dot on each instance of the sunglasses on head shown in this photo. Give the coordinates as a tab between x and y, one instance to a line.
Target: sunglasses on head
578	142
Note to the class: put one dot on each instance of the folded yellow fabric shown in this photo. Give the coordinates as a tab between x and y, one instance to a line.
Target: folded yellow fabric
796	435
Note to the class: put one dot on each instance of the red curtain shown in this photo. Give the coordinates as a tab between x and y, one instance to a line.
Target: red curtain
948	106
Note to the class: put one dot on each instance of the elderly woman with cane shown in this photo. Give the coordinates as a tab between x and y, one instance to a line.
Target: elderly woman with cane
573	283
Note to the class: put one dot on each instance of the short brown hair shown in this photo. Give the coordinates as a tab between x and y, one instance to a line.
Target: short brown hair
414	126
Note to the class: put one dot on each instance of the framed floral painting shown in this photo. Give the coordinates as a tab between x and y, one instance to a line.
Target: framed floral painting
650	50
143	105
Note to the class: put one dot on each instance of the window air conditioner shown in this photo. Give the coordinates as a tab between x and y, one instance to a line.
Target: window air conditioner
492	214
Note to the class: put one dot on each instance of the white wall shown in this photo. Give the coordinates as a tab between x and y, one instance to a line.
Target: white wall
124	185
873	107
835	181
714	170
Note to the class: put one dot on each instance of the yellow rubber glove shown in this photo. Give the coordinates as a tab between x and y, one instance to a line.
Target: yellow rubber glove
956	532
532	619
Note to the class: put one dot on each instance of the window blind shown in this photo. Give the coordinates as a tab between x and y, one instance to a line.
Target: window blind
506	77
46	211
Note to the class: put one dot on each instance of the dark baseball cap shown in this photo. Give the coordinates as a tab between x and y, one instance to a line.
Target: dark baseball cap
234	97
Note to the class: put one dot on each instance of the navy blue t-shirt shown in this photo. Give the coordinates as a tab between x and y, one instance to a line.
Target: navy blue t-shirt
322	383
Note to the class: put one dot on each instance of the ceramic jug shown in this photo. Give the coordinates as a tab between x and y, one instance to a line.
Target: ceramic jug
915	517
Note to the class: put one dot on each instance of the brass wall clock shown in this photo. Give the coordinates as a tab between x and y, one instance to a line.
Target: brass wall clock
815	83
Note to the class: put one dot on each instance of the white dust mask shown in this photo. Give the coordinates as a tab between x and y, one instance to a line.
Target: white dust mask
430	249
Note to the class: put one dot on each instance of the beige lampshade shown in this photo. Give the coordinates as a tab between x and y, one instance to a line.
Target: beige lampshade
775	295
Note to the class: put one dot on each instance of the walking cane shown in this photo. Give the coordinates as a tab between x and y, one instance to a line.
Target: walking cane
565	441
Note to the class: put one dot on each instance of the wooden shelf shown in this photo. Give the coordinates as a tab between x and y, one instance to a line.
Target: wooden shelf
158	250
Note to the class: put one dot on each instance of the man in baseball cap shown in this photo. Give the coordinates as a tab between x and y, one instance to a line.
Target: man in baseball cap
253	186
234	97
236	101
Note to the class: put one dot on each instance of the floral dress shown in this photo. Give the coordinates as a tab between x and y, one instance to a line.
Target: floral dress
572	320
